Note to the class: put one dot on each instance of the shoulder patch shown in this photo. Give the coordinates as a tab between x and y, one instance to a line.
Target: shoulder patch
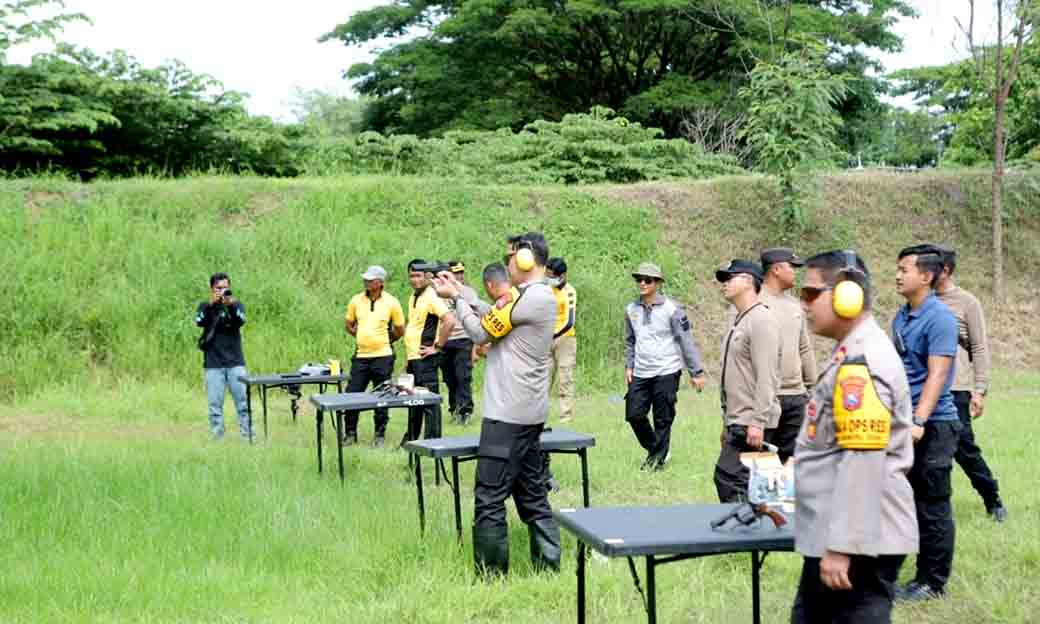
861	421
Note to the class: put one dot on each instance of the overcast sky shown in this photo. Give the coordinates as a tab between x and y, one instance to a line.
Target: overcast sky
267	49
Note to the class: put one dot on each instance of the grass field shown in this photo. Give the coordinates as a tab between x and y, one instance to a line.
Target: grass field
115	506
148	521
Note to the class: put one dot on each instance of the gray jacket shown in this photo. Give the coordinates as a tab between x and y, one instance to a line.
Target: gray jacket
516	384
658	339
856	502
458	332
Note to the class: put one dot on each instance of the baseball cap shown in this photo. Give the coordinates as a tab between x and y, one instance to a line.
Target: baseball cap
774	255
374	272
456	266
736	267
648	269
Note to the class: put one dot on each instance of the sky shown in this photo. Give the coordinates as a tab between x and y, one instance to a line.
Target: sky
269	49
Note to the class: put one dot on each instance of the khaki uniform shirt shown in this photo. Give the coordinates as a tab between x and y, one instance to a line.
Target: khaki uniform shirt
798	362
458	332
857	502
973	359
751	370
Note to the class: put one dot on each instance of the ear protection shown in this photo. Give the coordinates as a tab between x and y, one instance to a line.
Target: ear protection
848	295
524	255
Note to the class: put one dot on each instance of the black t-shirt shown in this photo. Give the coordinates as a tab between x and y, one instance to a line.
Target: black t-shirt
224	348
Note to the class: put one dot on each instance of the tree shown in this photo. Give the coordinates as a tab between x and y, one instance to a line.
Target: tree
18	24
1022	15
484	64
792	124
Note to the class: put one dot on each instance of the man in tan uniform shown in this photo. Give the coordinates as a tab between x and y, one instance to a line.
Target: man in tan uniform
750	377
855	519
972	381
798	364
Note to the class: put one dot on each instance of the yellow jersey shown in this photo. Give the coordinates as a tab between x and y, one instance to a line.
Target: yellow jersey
424	314
566	308
375	321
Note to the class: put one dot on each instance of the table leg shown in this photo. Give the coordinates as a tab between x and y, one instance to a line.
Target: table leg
318	418
339	443
584	475
263	402
418	489
458	501
581	582
651	592
438	466
756	565
249	410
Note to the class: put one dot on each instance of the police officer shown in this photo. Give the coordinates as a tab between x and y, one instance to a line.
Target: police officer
971	381
457	355
565	340
429	325
925	334
750	377
854	513
798	364
375	318
519	327
658	345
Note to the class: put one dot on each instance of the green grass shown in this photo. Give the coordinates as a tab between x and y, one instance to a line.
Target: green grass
115	521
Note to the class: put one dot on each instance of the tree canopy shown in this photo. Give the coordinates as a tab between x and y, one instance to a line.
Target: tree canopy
483	64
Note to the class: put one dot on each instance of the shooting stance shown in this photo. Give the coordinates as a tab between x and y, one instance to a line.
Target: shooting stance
519	327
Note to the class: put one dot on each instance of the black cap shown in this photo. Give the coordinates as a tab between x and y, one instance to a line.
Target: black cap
557	265
738	266
775	255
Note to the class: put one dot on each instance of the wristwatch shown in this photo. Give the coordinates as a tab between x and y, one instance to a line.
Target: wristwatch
918	421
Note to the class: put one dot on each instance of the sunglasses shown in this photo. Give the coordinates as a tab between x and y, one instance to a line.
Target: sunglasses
642	279
812	293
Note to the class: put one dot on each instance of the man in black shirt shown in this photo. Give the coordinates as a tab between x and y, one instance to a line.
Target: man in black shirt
221	342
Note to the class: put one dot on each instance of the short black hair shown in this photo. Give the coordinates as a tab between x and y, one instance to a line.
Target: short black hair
495	273
536	242
929	260
414	262
834	266
216	277
758	284
949	257
557	265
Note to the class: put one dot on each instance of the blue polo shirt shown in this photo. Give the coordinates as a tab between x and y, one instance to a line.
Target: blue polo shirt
929	330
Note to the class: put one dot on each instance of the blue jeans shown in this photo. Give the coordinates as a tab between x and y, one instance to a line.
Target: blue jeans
216	380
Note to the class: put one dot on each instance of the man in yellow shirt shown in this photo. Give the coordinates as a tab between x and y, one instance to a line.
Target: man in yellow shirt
565	341
375	319
429	326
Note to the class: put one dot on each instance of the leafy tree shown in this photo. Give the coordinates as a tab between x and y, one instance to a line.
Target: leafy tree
482	64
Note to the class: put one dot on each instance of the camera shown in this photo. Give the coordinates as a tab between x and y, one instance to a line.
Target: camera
226	293
431	267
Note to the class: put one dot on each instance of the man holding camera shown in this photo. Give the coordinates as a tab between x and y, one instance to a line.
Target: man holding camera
222	318
429	326
376	320
519	326
457	354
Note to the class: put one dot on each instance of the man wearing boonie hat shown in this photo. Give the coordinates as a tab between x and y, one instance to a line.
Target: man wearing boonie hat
798	365
750	377
375	318
658	345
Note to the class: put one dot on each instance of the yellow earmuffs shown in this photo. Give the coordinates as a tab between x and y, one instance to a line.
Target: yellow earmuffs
848	295
524	255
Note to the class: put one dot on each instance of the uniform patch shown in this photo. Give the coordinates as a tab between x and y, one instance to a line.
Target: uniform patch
684	323
839	355
811	415
852	393
861	420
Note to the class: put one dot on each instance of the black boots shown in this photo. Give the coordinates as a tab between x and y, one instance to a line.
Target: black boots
491	550
544	536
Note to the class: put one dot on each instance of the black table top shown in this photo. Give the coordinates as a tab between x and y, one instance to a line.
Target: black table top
552	440
290	379
671	530
371	400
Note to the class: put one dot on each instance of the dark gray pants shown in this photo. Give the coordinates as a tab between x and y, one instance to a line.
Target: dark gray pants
868	602
969	455
660	393
792	412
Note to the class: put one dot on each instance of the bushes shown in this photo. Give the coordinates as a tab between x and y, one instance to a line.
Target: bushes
589	148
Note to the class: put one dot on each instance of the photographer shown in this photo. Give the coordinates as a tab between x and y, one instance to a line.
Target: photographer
222	318
519	327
